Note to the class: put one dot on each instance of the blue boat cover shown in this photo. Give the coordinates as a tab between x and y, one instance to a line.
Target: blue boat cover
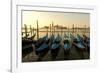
79	45
54	46
79	38
67	46
42	47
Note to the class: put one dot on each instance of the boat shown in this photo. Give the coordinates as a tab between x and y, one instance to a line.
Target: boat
79	43
44	46
87	42
80	46
26	42
79	38
32	37
40	41
26	50
72	37
27	45
67	44
55	46
57	39
56	42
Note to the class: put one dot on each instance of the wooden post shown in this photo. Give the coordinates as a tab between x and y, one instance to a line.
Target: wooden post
31	30
65	30
47	29
25	30
73	29
68	31
85	30
37	30
50	30
54	30
76	30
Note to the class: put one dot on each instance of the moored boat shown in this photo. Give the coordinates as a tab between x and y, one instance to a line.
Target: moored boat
79	43
67	45
87	42
55	46
44	46
26	50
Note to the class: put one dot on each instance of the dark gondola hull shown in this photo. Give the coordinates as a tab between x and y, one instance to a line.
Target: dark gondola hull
26	50
54	50
79	46
87	42
66	48
26	42
43	45
43	48
40	41
55	46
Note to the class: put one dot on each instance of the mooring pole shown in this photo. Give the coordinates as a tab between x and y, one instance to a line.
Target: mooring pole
85	30
47	30
25	30
50	30
37	30
73	29
31	30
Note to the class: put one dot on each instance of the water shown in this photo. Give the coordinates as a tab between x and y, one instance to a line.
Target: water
43	32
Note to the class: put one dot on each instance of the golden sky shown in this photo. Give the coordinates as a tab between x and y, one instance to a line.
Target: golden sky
60	18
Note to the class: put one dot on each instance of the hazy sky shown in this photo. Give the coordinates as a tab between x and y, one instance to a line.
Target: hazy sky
60	18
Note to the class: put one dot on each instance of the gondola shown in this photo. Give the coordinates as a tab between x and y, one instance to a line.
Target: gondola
40	41
44	46
72	37
32	37
79	38
79	43
26	50
27	45
56	42
55	46
26	42
67	44
87	42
